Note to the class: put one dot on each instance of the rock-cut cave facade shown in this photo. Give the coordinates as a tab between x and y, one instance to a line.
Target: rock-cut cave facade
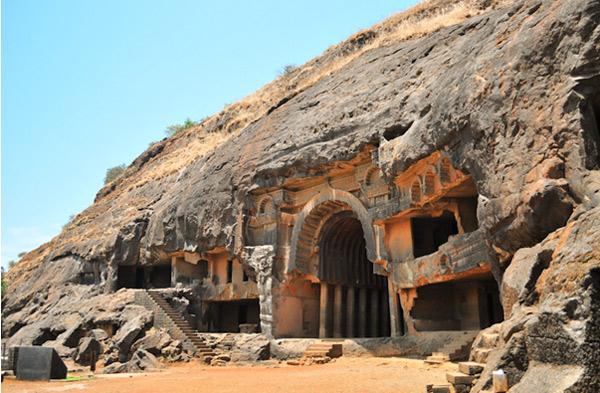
347	253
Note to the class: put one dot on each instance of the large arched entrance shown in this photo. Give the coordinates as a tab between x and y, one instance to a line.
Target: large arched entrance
353	300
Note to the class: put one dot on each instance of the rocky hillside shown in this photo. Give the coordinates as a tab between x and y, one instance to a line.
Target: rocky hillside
510	91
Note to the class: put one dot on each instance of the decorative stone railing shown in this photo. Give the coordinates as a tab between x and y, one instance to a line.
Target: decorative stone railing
462	255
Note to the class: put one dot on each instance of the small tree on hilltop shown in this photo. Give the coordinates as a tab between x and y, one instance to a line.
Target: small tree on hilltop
177	128
114	172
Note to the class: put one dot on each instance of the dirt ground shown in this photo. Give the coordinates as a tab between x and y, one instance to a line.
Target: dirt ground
347	375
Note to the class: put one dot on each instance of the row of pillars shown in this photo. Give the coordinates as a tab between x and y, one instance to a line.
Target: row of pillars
370	319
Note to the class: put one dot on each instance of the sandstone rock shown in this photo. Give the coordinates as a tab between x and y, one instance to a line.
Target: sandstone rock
70	338
250	347
223	357
128	333
89	349
154	341
143	361
115	368
63	351
111	357
99	334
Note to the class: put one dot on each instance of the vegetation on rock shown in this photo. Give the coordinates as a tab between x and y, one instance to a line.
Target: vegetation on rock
114	172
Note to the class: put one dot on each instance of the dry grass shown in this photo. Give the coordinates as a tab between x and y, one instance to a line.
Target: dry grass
422	19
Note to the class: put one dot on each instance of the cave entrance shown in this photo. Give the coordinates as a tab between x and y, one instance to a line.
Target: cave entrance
160	276
130	277
236	316
353	301
468	304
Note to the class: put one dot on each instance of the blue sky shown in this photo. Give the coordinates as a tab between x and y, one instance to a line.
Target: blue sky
88	84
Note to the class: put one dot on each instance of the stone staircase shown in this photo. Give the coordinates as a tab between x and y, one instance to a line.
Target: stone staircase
166	317
486	343
457	349
323	348
460	381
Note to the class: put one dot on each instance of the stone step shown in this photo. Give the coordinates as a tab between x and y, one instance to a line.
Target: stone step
320	346
490	340
438	389
434	361
470	368
458	378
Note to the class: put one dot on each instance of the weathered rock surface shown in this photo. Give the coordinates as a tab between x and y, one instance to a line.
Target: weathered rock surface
154	342
143	361
89	350
511	94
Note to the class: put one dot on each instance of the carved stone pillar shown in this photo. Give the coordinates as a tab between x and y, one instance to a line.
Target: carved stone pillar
337	311
374	330
350	312
395	329
362	312
323	310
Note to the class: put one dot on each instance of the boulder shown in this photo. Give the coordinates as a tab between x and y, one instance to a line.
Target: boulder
99	334
63	351
115	368
70	337
154	341
143	361
127	335
521	275
250	348
111	357
89	350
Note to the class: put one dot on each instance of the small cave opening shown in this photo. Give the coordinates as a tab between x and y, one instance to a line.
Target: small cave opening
596	113
429	233
396	131
591	127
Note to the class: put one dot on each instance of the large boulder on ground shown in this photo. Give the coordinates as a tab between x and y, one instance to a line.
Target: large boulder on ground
127	335
70	337
99	334
115	368
143	361
249	348
154	341
88	351
63	351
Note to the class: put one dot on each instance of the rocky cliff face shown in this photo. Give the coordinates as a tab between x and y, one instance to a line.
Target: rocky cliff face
512	94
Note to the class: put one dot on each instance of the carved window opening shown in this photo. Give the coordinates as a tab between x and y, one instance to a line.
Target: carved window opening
374	178
415	191
266	207
429	233
445	168
429	183
229	271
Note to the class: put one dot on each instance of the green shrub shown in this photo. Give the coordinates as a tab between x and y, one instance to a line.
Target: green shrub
114	172
177	128
287	70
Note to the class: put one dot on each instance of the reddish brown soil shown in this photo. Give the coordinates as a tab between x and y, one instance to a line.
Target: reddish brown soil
347	375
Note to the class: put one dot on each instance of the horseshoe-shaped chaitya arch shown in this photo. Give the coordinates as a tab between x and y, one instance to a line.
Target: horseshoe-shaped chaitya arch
310	220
